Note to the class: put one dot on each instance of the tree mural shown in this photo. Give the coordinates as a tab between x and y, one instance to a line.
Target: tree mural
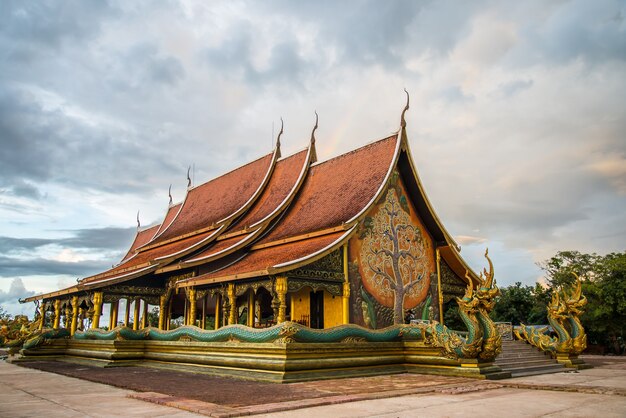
394	255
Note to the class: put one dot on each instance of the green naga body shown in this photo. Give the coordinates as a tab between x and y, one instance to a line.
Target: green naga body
283	332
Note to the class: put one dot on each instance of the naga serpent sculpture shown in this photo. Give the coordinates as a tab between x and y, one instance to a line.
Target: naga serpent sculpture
564	311
483	340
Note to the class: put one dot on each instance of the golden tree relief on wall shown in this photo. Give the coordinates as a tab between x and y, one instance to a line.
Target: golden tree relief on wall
395	255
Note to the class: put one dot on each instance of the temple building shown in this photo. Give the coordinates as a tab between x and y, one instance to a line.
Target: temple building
352	239
282	252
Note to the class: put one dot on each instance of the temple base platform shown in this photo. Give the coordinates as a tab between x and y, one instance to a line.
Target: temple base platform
274	362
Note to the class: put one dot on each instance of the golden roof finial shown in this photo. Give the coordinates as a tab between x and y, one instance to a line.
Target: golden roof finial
314	128
188	178
169	193
138	223
402	120
282	125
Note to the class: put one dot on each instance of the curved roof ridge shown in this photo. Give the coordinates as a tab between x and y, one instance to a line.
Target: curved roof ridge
223	252
163	238
277	268
165	223
181	203
259	227
258	191
294	190
132	250
192	247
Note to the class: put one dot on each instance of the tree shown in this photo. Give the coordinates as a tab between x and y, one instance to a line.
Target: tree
514	304
604	286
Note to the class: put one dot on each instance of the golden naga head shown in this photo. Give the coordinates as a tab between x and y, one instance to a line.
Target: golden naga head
575	301
469	301
556	308
487	290
486	278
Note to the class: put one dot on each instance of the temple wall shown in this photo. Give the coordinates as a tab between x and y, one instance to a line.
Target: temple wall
333	314
378	297
300	304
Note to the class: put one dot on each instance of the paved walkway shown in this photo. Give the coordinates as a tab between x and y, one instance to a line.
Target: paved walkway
596	392
32	393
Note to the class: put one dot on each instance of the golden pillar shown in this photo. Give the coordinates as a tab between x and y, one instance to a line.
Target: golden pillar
217	310
74	315
136	314
97	310
127	315
191	319
281	291
345	299
251	308
439	291
162	311
232	317
113	314
144	317
67	323
168	318
42	309
57	314
82	315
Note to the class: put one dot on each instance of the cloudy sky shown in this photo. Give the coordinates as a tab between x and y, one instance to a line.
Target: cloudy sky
517	120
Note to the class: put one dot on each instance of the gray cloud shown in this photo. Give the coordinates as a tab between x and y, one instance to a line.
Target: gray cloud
46	26
110	238
512	88
11	267
16	291
42	145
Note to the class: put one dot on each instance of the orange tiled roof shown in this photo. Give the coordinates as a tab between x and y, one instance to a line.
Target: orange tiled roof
216	200
219	246
172	211
141	238
266	258
149	256
337	190
284	178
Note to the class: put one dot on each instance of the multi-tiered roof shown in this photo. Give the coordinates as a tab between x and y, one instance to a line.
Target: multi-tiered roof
272	215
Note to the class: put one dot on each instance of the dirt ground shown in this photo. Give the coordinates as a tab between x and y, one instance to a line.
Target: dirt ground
234	392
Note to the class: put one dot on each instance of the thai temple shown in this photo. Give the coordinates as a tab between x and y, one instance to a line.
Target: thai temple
286	269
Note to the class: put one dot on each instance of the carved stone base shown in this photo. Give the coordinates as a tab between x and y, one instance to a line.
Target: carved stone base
572	361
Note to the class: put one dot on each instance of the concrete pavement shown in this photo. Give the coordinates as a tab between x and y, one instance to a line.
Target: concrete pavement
588	393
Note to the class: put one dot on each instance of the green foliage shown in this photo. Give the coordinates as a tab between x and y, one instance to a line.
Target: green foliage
521	304
4	315
153	317
452	319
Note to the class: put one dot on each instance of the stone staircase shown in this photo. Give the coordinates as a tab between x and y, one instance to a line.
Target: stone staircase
522	359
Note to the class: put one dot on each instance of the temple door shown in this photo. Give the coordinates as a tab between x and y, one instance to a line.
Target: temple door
317	309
